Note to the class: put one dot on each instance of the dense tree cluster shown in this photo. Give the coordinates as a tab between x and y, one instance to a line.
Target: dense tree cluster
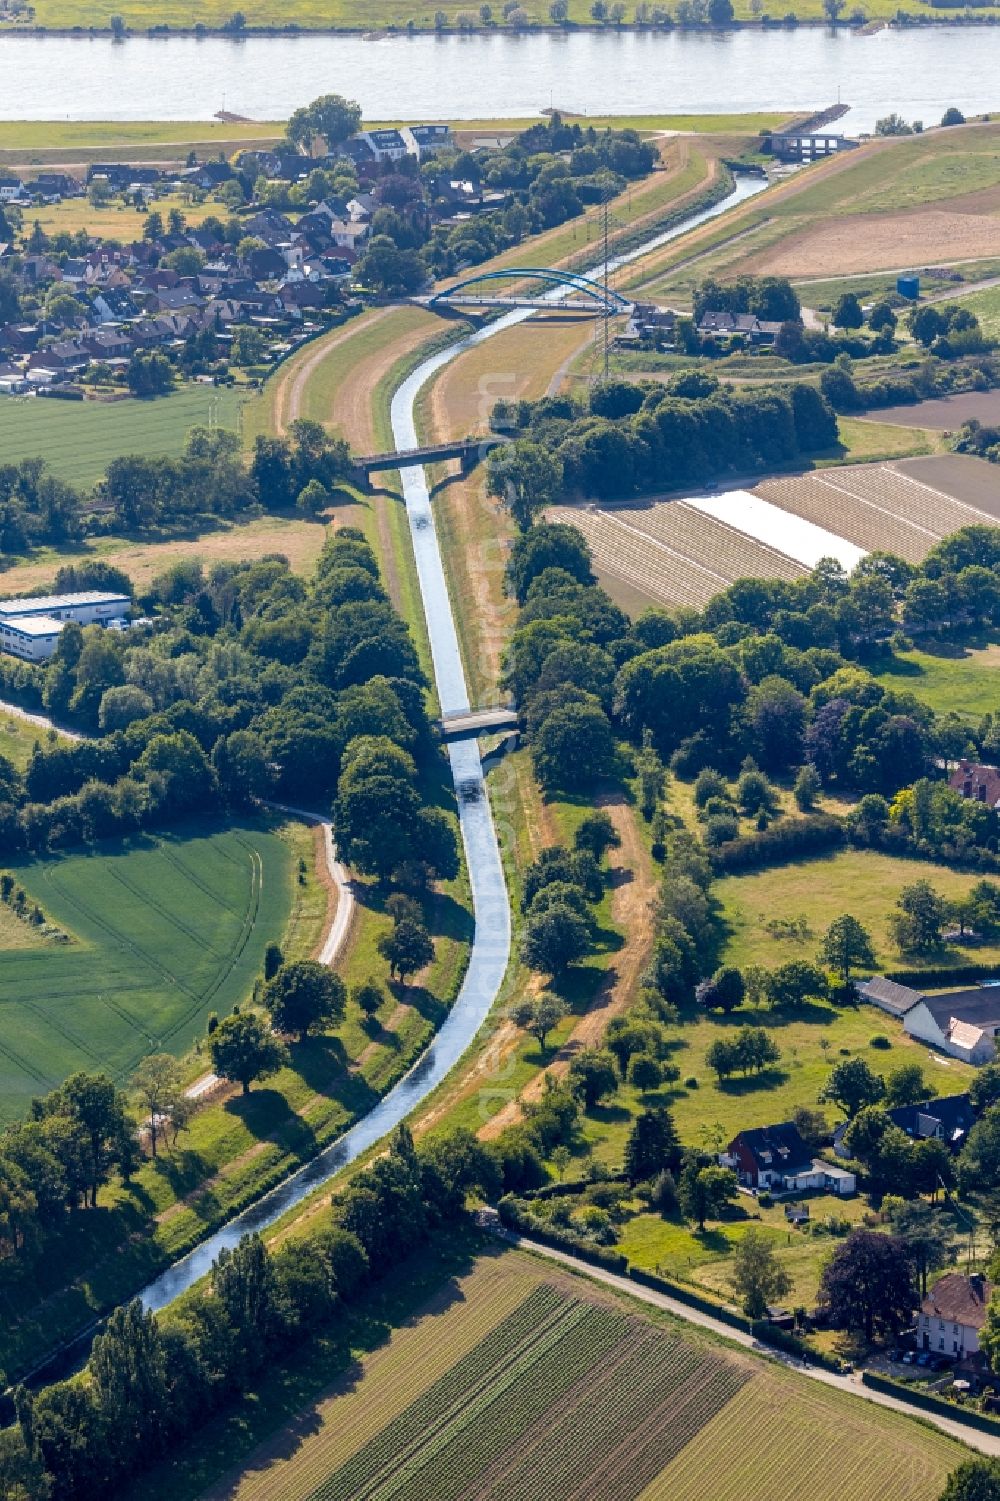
630	438
247	682
210	479
546	175
151	1380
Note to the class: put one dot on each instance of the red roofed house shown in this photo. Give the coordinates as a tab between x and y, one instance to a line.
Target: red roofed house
953	1313
979	782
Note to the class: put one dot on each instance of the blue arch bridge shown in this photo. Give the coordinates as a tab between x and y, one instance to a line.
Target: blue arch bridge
581	294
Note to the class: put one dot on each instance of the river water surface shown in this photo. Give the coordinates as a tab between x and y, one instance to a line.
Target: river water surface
918	72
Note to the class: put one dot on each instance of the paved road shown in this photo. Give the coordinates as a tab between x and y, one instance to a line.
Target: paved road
985	1443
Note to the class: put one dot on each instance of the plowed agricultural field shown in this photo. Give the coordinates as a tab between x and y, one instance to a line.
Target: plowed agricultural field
522	1383
162	933
670	553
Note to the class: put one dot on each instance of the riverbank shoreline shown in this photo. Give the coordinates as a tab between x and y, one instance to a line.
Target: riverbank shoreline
290	30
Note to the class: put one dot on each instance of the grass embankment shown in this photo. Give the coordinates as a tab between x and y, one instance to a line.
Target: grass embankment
86	140
858	213
683	1415
78	439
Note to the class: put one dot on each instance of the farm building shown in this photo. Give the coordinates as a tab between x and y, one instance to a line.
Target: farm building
963	1023
953	1313
889	996
776	1158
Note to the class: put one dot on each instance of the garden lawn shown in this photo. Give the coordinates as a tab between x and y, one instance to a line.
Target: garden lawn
953	678
675	1249
163	931
709	1114
78	439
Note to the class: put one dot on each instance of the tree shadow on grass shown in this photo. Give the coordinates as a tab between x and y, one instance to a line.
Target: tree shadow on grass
768	1078
447	918
609	1115
422	1000
183	1170
378	1034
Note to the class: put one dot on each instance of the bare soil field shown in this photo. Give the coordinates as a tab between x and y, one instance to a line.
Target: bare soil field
970	480
878	242
515	364
945	413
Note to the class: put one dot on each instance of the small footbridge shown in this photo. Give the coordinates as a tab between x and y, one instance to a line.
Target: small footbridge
469	452
580	294
472	722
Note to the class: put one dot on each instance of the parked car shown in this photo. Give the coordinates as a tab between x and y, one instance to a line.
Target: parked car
909	1358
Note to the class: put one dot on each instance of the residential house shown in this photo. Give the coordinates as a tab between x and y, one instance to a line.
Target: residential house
66	357
716	324
949	1119
649	325
777	1159
54	185
348	234
120	176
385	145
12	189
423	140
106	344
979	782
114	305
953	1314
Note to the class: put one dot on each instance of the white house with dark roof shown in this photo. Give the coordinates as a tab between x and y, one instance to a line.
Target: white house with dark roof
953	1314
776	1158
962	1023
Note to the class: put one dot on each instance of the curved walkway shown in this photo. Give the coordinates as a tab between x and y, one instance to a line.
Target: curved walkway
985	1443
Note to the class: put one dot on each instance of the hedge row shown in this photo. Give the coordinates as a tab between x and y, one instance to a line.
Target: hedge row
787	840
936	979
931	1403
560	1240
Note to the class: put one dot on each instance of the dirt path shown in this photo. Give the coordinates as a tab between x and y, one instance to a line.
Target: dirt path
634	892
352	411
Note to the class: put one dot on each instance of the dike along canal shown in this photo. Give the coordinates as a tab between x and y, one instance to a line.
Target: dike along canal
490	950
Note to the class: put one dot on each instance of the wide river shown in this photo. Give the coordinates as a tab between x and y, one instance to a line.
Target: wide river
916	72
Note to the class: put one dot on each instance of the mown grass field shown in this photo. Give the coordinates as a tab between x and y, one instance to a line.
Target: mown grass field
164	931
515	1380
297	540
953	677
78	439
862	882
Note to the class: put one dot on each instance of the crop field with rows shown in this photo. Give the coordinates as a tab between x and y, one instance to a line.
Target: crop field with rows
518	1381
161	932
672	553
